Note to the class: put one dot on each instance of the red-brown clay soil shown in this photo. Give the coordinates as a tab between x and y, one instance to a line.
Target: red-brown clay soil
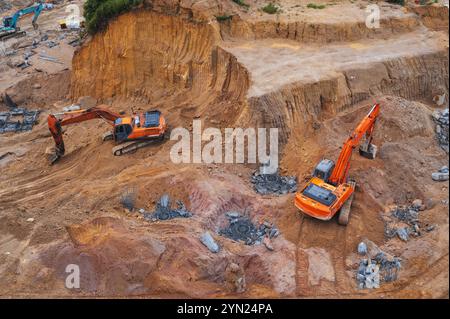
176	57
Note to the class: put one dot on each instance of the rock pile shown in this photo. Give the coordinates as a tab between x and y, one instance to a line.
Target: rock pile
164	210
441	120
273	183
406	221
379	266
242	229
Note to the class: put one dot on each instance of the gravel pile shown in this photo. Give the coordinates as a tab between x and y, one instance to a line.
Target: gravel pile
241	229
441	120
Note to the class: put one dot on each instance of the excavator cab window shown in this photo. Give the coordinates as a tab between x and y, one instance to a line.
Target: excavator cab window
7	22
324	169
121	132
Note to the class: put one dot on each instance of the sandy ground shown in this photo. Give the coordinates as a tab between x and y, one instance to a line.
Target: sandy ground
277	63
70	213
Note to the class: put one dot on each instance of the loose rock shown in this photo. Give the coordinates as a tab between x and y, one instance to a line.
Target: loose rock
209	242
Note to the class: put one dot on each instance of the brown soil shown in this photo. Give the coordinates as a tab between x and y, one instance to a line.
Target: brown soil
255	70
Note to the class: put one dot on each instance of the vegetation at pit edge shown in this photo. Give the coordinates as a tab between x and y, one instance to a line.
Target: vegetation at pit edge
241	3
270	8
98	12
316	6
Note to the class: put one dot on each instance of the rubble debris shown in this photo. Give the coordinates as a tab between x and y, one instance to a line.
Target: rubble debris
242	229
405	222
378	267
368	275
8	123
273	183
49	58
441	119
441	175
403	233
209	242
164	210
362	248
389	266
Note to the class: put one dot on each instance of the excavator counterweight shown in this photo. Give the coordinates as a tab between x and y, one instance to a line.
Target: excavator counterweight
329	191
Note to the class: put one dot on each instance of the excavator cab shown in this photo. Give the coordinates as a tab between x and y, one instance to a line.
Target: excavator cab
121	130
324	169
7	22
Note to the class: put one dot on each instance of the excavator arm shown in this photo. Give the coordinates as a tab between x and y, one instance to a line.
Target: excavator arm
364	129
57	121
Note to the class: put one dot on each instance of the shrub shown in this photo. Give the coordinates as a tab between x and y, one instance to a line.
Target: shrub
224	18
241	3
316	6
270	8
98	12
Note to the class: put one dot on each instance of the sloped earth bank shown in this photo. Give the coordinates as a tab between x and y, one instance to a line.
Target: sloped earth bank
176	57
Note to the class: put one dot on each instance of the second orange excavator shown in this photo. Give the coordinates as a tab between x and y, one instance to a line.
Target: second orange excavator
329	191
130	132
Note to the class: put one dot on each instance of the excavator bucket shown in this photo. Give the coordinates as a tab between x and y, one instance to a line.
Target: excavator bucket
369	151
54	158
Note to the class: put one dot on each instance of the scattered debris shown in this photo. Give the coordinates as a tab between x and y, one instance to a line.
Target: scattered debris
209	242
9	124
273	183
46	57
368	275
440	117
403	221
403	233
441	175
164	210
241	228
379	266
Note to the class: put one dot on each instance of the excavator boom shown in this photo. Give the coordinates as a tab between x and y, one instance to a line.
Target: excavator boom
329	192
365	128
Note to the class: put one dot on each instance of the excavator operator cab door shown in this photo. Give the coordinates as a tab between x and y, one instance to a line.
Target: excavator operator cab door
324	169
121	132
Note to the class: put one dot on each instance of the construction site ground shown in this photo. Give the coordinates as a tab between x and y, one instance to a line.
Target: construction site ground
312	73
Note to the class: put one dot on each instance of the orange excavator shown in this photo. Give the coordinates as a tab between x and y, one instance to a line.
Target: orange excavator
329	191
130	132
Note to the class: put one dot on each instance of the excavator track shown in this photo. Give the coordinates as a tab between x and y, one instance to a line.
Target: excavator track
8	35
133	146
344	213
